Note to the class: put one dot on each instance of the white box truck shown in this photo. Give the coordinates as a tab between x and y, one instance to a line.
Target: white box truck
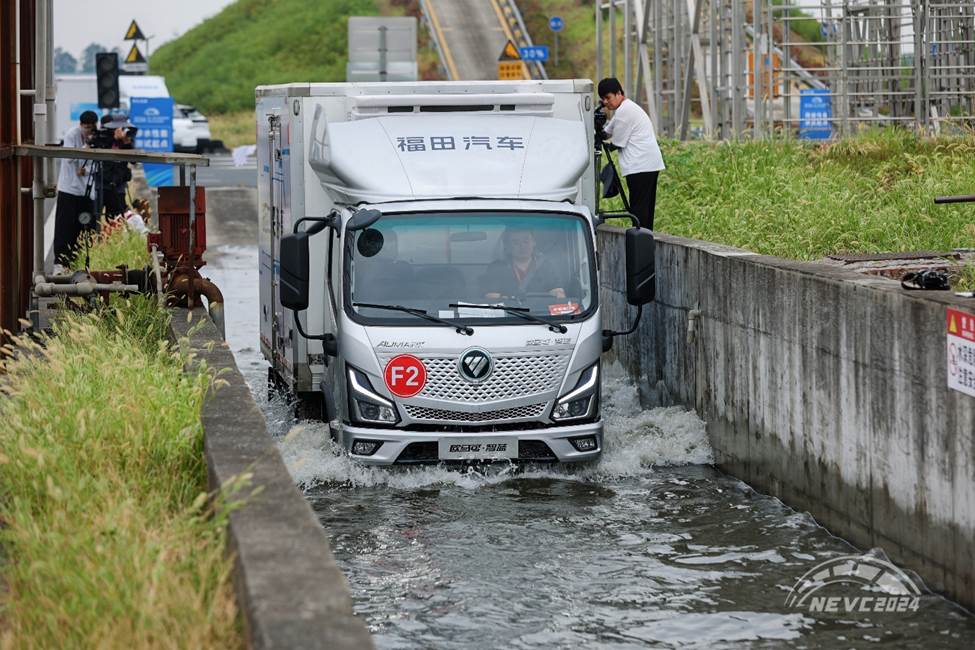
428	268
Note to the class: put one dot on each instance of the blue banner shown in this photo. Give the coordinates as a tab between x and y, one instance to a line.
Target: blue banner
154	117
534	53
815	114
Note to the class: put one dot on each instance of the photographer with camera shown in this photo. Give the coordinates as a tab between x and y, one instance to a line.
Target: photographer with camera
112	177
631	131
74	196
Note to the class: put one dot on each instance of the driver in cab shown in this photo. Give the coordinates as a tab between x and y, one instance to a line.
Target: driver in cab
521	271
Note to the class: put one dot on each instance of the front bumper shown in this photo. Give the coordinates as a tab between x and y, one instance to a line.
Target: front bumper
396	441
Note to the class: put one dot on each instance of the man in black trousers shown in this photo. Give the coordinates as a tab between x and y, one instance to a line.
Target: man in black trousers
631	130
74	195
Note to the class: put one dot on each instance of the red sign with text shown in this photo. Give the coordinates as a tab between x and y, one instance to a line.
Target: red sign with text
961	351
405	375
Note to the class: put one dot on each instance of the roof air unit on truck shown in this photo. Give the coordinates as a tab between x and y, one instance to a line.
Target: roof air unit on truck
428	268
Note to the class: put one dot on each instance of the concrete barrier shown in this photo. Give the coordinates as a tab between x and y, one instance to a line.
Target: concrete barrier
290	591
821	386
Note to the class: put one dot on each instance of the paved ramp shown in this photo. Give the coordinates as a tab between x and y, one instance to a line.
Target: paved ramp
470	34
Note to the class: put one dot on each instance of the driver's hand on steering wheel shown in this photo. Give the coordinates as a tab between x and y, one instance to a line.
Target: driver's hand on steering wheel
558	292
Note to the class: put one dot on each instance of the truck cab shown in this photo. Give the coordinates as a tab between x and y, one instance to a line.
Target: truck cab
429	272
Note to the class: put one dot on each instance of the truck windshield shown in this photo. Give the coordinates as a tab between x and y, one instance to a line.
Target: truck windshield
453	264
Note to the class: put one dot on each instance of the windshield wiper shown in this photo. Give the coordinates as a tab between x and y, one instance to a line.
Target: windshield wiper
520	312
461	329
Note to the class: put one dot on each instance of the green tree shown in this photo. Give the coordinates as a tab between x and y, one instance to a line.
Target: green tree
64	63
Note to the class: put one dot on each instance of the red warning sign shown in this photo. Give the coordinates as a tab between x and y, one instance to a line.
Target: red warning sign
961	351
405	375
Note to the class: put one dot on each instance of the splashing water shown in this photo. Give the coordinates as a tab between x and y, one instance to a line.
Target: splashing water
635	440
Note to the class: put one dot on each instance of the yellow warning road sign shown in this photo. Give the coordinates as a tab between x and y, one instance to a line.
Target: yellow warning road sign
510	53
134	55
511	70
133	33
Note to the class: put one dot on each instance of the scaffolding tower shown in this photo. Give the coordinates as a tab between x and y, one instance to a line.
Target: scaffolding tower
732	68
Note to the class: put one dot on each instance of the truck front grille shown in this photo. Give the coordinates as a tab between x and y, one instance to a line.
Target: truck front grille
513	376
443	415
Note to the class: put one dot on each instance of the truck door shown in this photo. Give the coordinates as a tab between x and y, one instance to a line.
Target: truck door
275	196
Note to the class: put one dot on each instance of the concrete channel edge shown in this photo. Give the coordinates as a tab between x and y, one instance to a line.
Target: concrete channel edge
289	589
821	386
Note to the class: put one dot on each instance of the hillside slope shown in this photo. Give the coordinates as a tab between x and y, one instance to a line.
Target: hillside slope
217	64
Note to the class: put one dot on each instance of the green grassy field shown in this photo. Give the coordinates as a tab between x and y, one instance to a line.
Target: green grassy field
869	193
217	64
108	538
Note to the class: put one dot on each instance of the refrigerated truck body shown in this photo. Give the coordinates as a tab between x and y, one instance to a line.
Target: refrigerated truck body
428	267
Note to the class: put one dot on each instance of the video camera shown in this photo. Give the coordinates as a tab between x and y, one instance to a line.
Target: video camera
599	119
105	138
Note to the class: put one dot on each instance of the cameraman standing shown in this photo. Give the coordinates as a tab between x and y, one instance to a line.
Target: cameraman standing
112	178
74	195
640	159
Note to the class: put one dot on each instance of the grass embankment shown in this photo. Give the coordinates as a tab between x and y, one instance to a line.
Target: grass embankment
234	129
217	64
112	246
107	537
869	193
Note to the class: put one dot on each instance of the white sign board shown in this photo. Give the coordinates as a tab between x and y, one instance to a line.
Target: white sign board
382	48
961	351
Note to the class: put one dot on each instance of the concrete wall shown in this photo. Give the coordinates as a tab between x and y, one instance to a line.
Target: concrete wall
290	592
823	387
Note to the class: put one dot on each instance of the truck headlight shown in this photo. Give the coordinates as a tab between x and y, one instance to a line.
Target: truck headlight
366	405
581	401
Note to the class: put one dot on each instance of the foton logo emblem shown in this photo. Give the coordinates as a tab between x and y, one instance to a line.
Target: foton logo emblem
475	365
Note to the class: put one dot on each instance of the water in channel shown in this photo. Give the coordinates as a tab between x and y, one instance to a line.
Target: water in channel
649	547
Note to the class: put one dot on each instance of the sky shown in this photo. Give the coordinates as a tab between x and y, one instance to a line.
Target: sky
80	22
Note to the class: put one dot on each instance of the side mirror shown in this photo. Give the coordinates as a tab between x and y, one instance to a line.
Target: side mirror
362	219
293	254
641	277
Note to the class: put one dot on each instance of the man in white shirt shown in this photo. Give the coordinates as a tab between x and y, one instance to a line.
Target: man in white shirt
73	195
640	159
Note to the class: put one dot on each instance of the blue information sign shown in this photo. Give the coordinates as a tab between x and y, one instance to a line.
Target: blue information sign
555	23
154	117
815	114
534	53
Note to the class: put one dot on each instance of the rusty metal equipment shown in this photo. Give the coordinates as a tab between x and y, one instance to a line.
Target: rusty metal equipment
177	249
180	242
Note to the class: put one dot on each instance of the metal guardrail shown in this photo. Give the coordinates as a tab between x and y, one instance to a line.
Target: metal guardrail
426	14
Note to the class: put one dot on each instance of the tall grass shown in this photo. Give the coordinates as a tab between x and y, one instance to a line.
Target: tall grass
112	245
869	193
107	537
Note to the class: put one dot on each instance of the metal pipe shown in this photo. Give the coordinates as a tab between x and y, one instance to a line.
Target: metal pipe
612	38
599	40
49	93
756	69
157	272
40	127
193	208
86	288
627	61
